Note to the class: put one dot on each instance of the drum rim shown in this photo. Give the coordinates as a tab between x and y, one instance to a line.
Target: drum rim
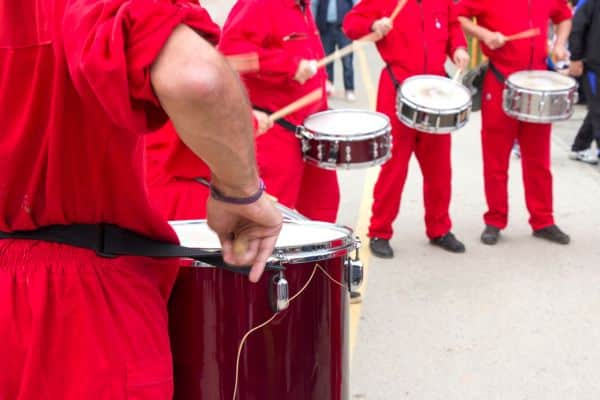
546	119
345	165
510	84
297	254
316	135
446	111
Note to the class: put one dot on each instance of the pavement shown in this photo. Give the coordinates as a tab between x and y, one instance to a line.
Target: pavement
516	321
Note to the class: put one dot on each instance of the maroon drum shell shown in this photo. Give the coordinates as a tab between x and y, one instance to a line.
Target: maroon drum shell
361	151
301	355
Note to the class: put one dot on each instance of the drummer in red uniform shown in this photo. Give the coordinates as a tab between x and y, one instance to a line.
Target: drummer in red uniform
499	131
284	36
81	82
421	37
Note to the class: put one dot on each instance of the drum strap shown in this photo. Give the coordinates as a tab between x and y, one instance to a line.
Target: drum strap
392	77
110	241
501	78
281	122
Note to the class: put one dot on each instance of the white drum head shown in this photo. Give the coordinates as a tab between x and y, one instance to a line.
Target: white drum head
346	122
435	92
299	237
541	80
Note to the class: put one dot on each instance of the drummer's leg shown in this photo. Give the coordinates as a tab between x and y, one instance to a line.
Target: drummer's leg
498	134
280	164
319	196
537	177
433	154
391	179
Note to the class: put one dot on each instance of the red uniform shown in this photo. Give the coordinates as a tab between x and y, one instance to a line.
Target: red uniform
75	99
282	32
424	33
499	131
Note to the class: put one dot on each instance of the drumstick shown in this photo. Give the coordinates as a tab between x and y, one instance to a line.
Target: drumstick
370	37
312	97
457	74
529	33
247	62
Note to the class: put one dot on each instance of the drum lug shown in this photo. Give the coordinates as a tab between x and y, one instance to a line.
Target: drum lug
348	153
279	293
375	149
320	151
334	150
355	270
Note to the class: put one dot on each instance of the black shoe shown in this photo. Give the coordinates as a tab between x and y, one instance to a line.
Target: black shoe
355	298
449	242
553	234
490	235
381	248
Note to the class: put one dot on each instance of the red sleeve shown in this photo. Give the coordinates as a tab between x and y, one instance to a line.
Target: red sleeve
469	8
110	46
560	11
360	18
456	35
248	29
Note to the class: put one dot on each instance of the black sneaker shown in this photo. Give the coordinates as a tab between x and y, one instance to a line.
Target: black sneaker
553	234
449	242
381	248
355	298
490	235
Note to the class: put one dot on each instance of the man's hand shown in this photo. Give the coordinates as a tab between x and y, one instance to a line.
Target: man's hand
264	122
576	68
382	26
306	70
494	40
461	58
560	52
255	226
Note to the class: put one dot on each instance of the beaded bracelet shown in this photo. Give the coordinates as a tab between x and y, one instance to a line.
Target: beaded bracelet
217	195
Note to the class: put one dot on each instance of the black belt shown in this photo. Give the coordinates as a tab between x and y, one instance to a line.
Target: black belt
281	122
393	77
109	240
501	78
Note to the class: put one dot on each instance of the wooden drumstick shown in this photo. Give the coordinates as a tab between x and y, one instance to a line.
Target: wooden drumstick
311	97
247	62
370	37
457	74
529	33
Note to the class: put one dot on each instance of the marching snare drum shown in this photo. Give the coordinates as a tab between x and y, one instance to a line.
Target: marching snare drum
433	104
301	355
539	96
346	139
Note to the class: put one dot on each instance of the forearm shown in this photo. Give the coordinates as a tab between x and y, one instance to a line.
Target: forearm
209	109
562	32
472	29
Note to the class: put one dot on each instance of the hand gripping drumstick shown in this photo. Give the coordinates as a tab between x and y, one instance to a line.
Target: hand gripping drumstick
529	33
370	37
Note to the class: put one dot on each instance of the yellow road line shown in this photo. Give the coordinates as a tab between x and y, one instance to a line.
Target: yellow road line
365	204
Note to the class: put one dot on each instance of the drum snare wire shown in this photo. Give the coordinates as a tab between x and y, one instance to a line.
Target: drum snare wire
268	321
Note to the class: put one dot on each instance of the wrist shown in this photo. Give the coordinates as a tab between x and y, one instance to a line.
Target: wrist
238	196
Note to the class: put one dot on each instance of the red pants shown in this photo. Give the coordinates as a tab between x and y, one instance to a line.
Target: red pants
312	191
179	198
498	134
433	154
76	326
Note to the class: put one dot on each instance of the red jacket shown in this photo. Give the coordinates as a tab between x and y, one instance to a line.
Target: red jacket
76	98
281	34
514	16
424	33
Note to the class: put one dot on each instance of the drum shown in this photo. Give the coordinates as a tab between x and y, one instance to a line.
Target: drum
300	355
539	96
346	139
433	104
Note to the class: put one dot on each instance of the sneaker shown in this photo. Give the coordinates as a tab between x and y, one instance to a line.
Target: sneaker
490	235
448	242
553	234
585	156
355	298
516	150
381	248
329	88
350	96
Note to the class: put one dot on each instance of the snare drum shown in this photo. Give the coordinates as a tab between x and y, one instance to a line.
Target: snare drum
301	355
433	104
346	139
539	96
